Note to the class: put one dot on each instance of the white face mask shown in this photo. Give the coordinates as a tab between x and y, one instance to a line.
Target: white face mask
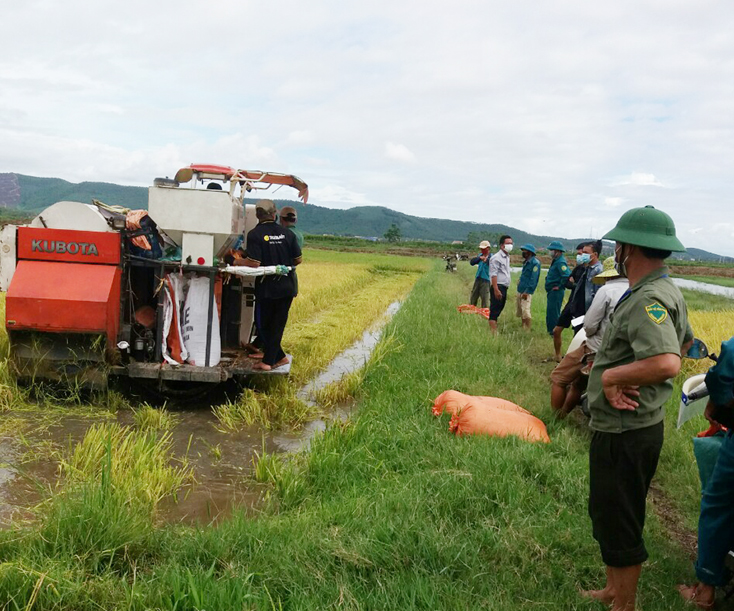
620	263
507	247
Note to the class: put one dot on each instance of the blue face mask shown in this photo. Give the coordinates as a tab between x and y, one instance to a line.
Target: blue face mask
583	258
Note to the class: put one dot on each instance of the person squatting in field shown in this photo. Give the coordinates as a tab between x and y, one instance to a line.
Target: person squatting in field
555	284
499	277
629	384
480	290
568	379
271	244
527	284
716	520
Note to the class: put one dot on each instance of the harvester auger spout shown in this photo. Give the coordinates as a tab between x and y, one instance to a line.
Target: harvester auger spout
249	180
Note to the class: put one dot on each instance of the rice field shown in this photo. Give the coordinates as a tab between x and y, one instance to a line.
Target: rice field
387	510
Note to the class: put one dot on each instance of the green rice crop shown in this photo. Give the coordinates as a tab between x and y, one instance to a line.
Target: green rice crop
138	463
155	418
385	511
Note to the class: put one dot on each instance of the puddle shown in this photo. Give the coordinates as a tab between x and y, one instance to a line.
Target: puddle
222	462
704	287
352	359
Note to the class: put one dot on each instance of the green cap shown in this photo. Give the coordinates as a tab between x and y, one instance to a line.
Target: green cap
556	245
646	227
528	247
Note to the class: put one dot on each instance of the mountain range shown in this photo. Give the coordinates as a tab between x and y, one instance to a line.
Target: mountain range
21	197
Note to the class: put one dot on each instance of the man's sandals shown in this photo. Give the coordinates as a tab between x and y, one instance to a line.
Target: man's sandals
253	352
692	593
265	367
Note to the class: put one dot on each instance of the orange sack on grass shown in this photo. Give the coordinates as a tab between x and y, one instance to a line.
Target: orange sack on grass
489	416
452	401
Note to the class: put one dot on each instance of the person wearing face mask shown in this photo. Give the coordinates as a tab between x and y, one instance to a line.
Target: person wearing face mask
568	380
499	276
527	284
629	384
591	253
555	284
582	292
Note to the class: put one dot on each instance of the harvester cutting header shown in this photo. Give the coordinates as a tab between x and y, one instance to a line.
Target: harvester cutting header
97	291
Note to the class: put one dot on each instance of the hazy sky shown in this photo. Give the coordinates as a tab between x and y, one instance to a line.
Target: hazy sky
553	117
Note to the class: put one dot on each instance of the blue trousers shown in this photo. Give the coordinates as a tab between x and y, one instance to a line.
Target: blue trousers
553	309
716	522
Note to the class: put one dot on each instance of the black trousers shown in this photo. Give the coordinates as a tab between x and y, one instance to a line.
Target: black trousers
497	305
273	318
621	466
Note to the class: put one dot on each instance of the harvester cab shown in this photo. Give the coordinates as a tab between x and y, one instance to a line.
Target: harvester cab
96	291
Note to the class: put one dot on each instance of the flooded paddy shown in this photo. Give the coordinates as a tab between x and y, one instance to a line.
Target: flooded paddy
222	461
704	287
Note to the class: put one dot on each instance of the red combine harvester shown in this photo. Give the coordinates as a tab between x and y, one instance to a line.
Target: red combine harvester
96	292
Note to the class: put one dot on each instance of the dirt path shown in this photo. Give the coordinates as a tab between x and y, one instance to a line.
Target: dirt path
670	517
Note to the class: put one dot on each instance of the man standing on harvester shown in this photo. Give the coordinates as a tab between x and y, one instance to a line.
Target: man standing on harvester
629	384
270	244
527	284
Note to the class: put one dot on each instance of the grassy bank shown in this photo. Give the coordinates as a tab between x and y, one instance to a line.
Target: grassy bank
387	511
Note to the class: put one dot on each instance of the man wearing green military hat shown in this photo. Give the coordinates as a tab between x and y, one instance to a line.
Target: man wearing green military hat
628	386
555	284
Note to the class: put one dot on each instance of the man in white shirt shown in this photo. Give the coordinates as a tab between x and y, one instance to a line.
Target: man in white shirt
499	277
568	379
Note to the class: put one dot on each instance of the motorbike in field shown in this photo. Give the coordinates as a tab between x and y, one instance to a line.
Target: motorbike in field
694	394
450	263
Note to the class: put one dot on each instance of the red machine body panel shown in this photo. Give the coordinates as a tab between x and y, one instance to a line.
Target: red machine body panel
70	245
59	297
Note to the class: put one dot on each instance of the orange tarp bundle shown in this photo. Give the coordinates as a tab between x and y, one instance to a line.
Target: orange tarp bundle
470	309
489	416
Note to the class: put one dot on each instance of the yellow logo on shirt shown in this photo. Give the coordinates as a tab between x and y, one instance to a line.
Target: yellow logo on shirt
563	268
535	269
266	238
657	313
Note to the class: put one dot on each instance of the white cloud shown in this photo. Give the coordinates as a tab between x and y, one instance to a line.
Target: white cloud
335	194
299	137
638	179
498	106
399	152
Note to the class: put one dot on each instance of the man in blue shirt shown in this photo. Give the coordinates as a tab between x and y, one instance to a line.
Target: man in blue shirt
480	290
527	284
555	284
716	522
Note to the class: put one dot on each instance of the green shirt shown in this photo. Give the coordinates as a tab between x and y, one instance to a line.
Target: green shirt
650	319
299	235
558	273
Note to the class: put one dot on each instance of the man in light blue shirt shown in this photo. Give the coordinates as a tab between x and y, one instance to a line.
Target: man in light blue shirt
499	276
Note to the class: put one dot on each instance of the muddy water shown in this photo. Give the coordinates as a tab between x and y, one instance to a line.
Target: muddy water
222	463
